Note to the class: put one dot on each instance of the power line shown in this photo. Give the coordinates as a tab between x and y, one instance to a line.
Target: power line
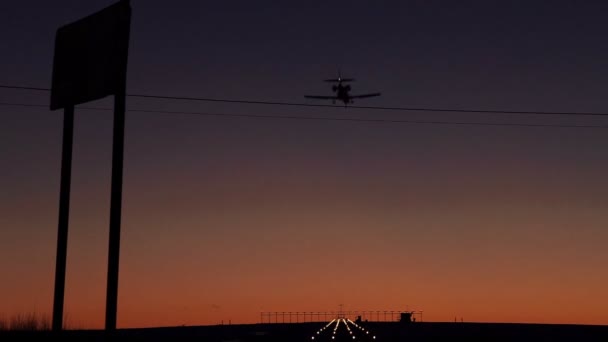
404	109
296	104
324	118
24	88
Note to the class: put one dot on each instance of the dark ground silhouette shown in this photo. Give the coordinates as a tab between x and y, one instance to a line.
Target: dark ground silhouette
384	331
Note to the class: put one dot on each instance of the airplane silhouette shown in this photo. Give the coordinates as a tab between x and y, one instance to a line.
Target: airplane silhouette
342	92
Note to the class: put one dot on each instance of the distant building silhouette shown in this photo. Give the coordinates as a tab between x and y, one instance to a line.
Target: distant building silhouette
406	317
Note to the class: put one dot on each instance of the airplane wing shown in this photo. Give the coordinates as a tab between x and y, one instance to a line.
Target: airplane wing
318	97
364	95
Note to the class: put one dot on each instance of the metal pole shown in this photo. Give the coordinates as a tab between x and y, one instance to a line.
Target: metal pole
115	209
116	186
64	214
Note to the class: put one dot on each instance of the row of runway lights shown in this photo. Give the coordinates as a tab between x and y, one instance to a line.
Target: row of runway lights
347	327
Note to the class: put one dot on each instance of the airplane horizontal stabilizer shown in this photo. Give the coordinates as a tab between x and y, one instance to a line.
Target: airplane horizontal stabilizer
339	80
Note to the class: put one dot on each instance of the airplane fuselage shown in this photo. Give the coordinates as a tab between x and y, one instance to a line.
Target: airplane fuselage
342	93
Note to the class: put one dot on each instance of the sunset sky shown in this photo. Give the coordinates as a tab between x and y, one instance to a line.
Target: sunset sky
225	217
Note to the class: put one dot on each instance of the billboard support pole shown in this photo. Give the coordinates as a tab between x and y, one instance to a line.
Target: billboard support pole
64	214
115	209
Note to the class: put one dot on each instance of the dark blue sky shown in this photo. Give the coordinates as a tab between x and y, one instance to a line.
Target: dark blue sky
517	54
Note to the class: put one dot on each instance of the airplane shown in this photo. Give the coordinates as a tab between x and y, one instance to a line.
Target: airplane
342	92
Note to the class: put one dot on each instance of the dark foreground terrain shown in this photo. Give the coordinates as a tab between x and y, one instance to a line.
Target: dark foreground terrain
383	332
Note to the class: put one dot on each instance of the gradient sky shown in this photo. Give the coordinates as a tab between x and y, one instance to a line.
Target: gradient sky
227	217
